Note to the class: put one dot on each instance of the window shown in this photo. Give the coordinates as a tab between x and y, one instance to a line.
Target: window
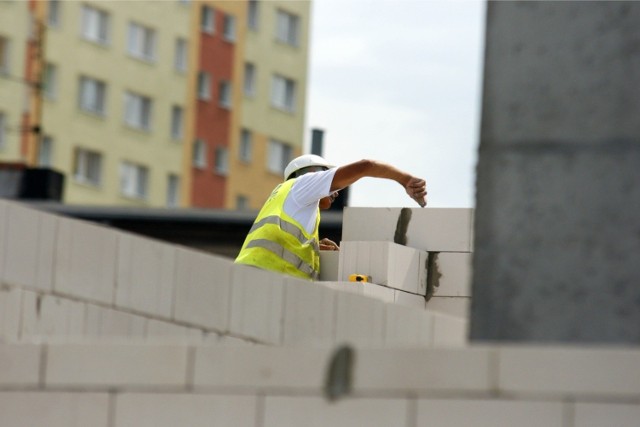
207	20
137	111
45	152
134	180
95	25
222	160
224	94
283	93
92	95
204	86
200	154
3	130
87	167
181	55
142	42
242	202
54	13
253	15
173	191
4	55
249	79
287	28
246	146
229	28
49	81
278	157
177	122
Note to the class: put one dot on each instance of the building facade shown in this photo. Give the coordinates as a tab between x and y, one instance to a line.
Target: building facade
143	103
15	40
274	99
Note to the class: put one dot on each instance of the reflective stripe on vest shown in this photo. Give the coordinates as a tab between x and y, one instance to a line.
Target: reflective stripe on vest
286	255
289	228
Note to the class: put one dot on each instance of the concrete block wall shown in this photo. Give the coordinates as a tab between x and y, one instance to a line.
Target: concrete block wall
427	229
87	281
406	322
118	384
424	252
70	285
387	263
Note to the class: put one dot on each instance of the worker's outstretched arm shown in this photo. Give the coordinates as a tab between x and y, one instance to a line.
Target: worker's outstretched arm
348	174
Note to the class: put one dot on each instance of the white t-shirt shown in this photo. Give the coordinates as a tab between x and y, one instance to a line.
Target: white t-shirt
302	201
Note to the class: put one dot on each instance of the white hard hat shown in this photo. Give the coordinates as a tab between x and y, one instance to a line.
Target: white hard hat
305	161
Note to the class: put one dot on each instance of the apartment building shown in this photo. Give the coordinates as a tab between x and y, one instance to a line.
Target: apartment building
273	108
15	37
220	36
146	103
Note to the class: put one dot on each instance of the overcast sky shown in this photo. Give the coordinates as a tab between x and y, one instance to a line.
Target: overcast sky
399	81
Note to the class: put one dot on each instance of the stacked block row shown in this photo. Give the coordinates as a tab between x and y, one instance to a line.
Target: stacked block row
398	316
64	278
169	385
419	251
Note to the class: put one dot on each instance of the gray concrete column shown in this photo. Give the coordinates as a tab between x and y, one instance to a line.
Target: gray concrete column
557	232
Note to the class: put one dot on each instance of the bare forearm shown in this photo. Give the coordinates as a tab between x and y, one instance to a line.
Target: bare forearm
348	174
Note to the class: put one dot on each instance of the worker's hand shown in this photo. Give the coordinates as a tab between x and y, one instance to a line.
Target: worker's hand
417	189
328	245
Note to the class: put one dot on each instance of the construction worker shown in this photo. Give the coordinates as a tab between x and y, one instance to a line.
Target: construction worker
284	237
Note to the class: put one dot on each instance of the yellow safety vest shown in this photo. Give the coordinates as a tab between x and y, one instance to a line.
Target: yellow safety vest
279	243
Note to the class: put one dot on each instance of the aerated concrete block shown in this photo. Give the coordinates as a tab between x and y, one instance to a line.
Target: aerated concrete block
451	274
423	370
602	414
386	263
186	409
54	409
29	252
259	367
329	265
453	306
427	229
489	413
4	209
113	365
160	331
360	320
108	323
409	300
51	316
146	275
257	303
408	326
295	411
381	293
85	262
19	364
203	288
449	330
371	290
352	287
309	313
10	312
570	371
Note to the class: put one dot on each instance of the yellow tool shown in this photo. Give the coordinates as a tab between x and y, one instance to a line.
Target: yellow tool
359	278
